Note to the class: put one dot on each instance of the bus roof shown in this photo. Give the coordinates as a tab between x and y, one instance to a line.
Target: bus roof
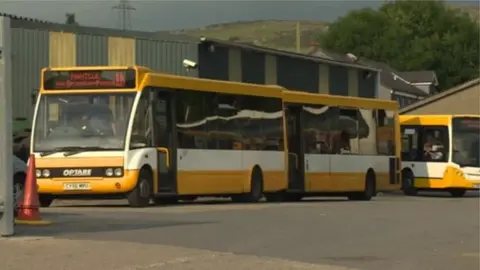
439	115
425	120
197	84
431	120
146	77
334	100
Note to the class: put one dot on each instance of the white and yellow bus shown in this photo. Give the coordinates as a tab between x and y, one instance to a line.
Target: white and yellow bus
340	146
128	132
440	152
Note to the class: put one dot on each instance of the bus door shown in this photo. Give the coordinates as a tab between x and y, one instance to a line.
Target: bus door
163	113
296	159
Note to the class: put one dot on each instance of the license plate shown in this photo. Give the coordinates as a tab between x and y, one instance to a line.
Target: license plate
76	186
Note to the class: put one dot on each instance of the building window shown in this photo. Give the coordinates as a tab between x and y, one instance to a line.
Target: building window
338	81
403	101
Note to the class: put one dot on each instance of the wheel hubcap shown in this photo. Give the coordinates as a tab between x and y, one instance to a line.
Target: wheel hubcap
144	189
409	182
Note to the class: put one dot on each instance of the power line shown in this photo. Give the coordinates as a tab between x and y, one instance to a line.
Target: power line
124	9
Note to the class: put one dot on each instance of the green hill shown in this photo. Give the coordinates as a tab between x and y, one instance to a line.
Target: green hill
279	34
269	33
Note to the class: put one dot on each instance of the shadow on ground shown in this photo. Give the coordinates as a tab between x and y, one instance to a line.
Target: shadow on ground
68	224
201	202
434	194
441	194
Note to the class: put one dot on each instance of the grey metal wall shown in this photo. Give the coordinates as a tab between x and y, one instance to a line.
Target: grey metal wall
31	49
166	56
30	55
92	50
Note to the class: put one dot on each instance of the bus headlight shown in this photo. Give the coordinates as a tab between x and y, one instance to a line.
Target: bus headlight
118	172
46	173
109	172
38	173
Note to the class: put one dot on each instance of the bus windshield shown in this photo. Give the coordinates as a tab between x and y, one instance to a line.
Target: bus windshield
95	121
466	136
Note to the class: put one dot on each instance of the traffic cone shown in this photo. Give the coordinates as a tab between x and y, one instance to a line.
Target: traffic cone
28	211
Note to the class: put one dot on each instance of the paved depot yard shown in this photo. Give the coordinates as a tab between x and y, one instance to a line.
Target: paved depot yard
391	232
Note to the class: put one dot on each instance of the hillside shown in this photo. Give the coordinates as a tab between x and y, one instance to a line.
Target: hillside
279	34
269	33
472	10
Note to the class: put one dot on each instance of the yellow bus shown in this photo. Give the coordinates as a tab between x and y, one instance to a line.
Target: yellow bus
440	152
127	132
340	146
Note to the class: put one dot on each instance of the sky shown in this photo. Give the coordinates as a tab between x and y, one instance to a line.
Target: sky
163	15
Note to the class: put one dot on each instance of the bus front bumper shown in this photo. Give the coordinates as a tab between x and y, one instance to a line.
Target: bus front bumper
88	185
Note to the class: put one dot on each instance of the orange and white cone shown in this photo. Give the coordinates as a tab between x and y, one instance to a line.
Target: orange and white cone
29	210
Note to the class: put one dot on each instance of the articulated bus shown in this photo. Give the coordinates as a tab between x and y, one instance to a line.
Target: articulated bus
128	132
440	152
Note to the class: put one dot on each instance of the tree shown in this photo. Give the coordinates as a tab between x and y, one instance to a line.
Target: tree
411	35
71	19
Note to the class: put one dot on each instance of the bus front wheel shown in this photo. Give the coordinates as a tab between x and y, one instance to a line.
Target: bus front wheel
457	192
141	194
408	183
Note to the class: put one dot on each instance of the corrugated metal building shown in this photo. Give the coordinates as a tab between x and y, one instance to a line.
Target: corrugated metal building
223	60
37	44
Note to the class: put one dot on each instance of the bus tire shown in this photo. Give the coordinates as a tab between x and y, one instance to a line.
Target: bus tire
457	192
140	196
408	183
370	189
256	188
45	200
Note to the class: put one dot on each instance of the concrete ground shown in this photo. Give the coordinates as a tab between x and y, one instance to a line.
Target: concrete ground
390	232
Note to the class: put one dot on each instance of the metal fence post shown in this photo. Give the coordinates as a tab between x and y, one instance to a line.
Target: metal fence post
6	147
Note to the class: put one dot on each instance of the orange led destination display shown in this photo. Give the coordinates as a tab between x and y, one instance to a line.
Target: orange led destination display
89	79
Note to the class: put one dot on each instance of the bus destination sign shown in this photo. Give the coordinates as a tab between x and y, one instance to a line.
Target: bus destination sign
89	79
466	124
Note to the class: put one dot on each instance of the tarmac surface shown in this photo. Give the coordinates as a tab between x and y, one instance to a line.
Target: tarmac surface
389	232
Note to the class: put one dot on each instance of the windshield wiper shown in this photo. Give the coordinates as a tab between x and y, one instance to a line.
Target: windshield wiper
78	150
57	149
71	150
